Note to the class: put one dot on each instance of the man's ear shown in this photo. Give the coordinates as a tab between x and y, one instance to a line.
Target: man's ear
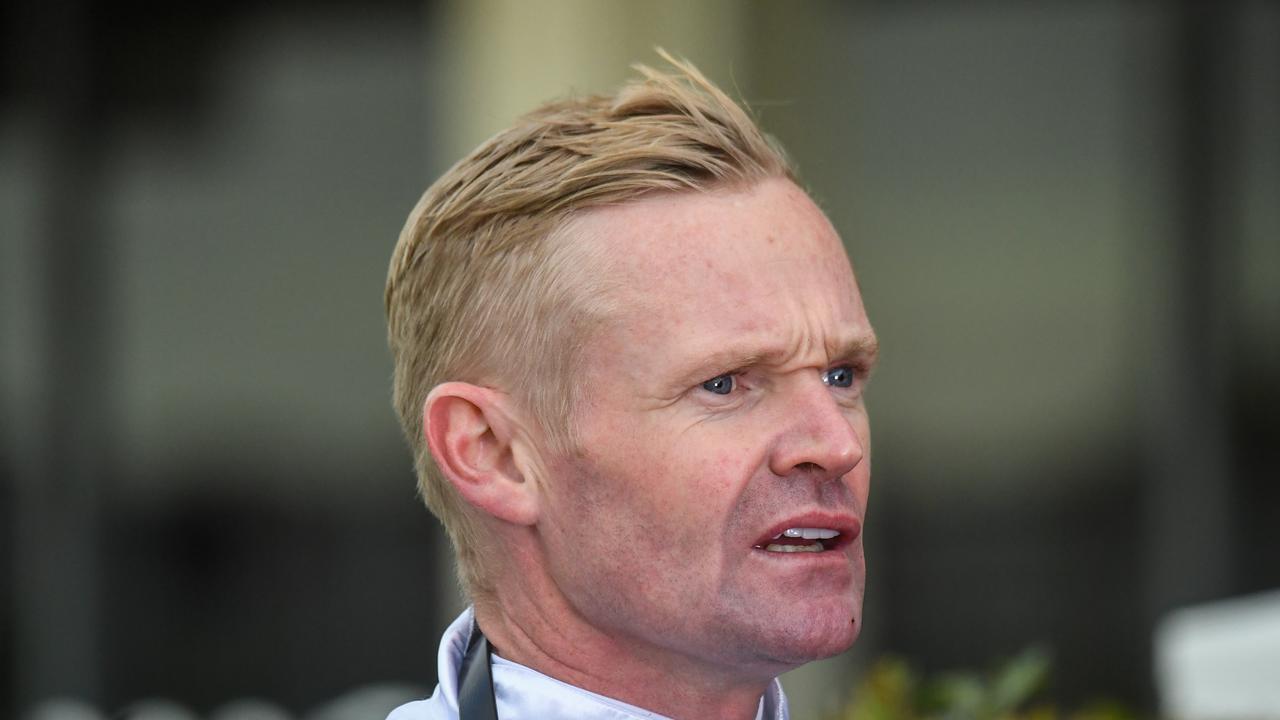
470	432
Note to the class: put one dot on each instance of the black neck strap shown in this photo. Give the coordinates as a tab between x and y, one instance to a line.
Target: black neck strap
475	679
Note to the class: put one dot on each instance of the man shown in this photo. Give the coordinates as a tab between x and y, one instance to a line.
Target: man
630	355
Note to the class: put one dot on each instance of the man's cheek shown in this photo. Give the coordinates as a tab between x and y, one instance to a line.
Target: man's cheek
737	450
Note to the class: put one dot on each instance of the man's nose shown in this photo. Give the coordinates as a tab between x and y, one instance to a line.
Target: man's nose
817	437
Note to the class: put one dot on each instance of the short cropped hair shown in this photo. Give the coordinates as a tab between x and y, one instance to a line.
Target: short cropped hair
486	285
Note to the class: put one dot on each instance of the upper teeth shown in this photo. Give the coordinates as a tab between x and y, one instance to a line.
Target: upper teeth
809	533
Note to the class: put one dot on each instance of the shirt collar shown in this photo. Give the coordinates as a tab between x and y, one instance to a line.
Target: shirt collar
524	692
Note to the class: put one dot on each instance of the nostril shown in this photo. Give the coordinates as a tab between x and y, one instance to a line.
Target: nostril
809	467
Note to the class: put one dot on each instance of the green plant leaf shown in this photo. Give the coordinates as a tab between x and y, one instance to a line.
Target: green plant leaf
1018	681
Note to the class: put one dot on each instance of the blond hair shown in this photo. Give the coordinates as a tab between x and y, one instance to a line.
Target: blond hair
484	284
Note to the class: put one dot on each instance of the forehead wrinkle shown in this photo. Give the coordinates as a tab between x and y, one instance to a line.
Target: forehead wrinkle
649	288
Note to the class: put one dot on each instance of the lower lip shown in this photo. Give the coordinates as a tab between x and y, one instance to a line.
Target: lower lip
829	570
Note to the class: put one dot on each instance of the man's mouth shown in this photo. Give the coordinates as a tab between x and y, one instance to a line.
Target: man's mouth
802	540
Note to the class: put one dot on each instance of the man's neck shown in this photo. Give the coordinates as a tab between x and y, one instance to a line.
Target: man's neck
570	650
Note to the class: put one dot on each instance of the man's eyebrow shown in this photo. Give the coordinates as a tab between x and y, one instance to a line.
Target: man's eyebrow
860	349
727	359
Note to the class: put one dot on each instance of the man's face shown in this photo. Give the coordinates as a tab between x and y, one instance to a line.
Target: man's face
722	406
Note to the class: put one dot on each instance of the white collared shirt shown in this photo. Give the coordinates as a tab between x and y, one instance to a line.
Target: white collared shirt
523	693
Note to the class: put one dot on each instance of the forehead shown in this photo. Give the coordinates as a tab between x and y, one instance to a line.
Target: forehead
748	260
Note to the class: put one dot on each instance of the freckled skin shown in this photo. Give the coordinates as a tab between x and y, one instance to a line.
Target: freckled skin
647	533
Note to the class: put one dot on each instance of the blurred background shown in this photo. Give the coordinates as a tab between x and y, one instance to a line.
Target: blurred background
1065	218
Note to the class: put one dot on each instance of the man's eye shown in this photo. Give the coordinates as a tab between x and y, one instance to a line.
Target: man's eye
839	377
720	385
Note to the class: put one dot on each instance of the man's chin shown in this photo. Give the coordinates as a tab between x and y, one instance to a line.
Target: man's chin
822	640
808	634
